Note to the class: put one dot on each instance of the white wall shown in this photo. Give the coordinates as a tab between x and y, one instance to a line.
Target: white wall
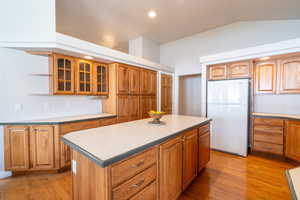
145	48
16	85
184	54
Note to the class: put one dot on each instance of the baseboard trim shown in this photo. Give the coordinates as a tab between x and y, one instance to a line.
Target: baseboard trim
5	174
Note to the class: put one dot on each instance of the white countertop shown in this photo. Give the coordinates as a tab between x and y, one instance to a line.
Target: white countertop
276	115
109	142
58	120
294	182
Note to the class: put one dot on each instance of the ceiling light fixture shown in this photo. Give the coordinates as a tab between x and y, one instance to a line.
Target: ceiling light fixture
152	14
265	58
88	57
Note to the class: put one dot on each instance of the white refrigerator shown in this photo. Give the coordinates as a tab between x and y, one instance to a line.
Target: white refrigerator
228	106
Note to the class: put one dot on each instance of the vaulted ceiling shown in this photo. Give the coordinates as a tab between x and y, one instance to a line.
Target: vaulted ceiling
113	23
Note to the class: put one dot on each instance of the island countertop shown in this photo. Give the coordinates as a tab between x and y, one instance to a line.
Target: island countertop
109	144
293	176
61	120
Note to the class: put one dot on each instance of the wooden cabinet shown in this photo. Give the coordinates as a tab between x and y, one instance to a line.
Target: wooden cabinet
134	80
100	79
204	150
265	77
123	108
63	70
16	140
148	80
292	137
289	75
152	83
65	155
171	169
166	93
84	77
190	157
217	72
149	193
239	70
122	79
134	107
42	147
144	106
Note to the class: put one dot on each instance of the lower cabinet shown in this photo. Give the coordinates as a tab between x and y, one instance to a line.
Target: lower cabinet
123	108
171	169
204	150
292	147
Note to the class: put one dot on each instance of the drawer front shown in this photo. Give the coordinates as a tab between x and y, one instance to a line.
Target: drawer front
269	122
149	193
135	184
268	137
108	121
204	129
128	168
269	148
76	126
269	129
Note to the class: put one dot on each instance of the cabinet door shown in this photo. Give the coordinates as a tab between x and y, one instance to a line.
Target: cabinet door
144	80
265	78
84	77
63	74
122	79
292	147
217	72
123	108
134	80
42	147
290	75
166	93
144	106
204	150
16	145
100	80
171	169
239	70
153	103
65	155
134	107
152	83
190	157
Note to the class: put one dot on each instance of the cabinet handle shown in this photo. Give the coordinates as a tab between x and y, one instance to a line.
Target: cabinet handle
139	164
139	183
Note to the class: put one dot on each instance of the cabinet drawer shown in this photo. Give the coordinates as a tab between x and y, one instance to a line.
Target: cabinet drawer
269	122
135	184
204	129
128	168
268	147
149	193
268	129
76	126
268	137
108	121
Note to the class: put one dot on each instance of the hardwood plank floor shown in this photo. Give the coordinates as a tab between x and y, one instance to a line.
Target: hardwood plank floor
226	177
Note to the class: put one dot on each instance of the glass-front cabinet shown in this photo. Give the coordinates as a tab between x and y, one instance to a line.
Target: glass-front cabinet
84	77
100	86
63	74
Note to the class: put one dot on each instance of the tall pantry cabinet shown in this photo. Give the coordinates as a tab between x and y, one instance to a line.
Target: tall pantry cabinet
132	92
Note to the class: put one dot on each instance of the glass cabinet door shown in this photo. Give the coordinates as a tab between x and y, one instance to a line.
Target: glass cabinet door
63	75
101	79
84	77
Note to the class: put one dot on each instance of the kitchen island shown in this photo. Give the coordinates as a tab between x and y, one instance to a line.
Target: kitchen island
138	160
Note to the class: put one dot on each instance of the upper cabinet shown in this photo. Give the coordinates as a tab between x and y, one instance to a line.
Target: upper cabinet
84	77
100	85
134	80
122	79
166	93
289	75
63	69
71	76
265	77
148	81
217	72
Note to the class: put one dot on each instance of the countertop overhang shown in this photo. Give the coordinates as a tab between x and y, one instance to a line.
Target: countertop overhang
109	144
274	115
61	120
293	177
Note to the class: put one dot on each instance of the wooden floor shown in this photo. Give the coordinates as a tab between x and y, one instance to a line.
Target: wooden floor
226	177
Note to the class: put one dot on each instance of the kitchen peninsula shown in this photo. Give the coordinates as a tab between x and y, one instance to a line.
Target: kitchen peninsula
137	160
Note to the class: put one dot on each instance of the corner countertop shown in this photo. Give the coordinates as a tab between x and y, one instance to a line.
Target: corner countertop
61	120
272	115
109	144
293	176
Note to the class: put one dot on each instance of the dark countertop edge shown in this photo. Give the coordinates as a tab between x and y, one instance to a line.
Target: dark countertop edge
54	123
105	163
274	117
291	186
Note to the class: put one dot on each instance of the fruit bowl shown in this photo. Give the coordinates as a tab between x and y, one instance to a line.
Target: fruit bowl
156	116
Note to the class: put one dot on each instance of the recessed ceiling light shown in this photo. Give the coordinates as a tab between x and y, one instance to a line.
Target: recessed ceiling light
265	58
152	14
88	57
